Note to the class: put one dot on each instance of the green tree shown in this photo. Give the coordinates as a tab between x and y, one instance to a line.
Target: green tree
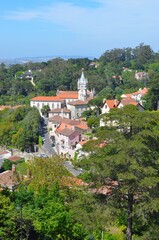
143	54
130	159
7	223
52	219
45	172
45	109
7	165
152	98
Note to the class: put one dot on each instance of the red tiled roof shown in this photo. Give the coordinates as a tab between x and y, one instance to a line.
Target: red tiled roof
73	181
112	103
68	94
128	101
82	126
141	91
60	110
14	158
10	107
105	190
102	144
8	179
128	95
63	126
67	132
83	142
47	99
59	119
78	103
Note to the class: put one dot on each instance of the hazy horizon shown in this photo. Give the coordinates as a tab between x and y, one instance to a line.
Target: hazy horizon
75	27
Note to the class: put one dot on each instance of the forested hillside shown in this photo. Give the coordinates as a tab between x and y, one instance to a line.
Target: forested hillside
111	75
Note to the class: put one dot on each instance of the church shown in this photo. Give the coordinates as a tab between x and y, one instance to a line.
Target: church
75	102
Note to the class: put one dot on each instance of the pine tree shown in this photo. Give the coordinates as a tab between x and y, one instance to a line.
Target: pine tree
130	158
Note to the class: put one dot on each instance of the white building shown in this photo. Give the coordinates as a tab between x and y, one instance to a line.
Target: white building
75	101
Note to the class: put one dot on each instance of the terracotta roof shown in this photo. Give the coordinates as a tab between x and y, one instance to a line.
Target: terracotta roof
55	118
83	142
128	95
68	94
73	181
63	126
4	107
10	107
4	152
78	103
141	91
60	110
102	144
112	103
59	119
82	126
105	190
47	99
67	132
8	178
128	101
75	122
14	158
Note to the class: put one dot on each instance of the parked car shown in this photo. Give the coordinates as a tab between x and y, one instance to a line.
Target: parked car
43	155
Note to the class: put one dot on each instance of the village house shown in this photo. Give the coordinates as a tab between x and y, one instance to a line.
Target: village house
77	108
128	101
66	133
9	178
66	143
52	101
109	104
140	75
130	98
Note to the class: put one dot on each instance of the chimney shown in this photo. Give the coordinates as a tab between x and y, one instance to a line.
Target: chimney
62	113
13	168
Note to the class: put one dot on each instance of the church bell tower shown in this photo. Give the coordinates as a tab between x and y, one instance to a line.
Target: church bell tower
82	87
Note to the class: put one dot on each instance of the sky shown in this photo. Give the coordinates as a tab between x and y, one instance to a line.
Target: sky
86	28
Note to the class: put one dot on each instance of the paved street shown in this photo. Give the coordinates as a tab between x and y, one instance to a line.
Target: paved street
47	147
49	151
70	168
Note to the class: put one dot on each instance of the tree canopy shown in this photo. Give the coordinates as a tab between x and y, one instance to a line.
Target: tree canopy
130	158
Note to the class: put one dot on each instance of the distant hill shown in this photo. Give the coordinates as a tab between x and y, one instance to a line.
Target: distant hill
24	60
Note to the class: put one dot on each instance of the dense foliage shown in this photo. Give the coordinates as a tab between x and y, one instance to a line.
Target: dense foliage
44	207
129	159
19	127
111	75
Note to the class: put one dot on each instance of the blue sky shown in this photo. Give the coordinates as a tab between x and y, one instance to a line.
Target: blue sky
31	28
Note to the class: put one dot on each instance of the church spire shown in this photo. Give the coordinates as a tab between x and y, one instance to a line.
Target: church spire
82	87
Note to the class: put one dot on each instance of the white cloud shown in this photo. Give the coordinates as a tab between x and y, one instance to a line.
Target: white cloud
110	17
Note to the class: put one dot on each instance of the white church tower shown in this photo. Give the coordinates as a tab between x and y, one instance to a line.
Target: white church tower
82	87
